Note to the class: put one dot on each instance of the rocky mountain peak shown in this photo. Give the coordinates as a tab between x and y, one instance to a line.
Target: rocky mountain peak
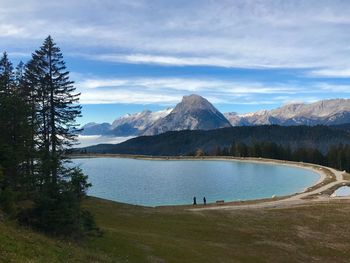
192	113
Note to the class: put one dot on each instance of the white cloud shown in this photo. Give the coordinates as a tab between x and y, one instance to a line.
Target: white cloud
334	88
168	91
167	60
257	34
125	96
331	73
7	30
184	84
181	60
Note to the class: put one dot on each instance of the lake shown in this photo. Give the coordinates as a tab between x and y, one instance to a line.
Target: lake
176	182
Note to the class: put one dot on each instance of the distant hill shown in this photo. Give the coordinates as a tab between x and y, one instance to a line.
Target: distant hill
185	142
196	113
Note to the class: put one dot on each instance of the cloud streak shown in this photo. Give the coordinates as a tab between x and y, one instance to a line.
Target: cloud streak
331	73
256	34
168	91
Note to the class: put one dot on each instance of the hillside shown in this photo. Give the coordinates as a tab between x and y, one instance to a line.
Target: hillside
140	234
184	142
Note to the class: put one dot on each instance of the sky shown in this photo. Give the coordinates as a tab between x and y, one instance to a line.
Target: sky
129	55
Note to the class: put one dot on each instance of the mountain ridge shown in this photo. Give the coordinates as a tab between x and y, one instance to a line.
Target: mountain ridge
196	113
326	112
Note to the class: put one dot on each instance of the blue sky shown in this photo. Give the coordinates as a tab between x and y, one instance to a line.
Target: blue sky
126	56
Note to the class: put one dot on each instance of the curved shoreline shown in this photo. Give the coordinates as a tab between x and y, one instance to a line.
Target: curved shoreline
327	177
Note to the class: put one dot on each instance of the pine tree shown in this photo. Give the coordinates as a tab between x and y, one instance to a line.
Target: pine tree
38	108
12	130
21	128
6	138
54	105
58	106
31	83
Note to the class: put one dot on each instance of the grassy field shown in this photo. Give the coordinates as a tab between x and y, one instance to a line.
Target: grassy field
318	233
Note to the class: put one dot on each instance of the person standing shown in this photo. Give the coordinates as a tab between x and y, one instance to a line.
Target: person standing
204	200
194	201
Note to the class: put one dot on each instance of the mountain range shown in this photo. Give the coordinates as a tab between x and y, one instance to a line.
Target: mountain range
196	113
325	112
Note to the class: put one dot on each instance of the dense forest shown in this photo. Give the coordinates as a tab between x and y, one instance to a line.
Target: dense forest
183	142
38	108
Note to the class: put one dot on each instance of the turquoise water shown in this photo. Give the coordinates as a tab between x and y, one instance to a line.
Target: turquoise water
173	182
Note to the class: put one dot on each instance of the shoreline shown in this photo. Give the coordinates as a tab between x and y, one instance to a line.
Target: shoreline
327	177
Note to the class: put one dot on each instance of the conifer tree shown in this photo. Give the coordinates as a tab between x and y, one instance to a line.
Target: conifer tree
38	108
55	102
13	130
6	95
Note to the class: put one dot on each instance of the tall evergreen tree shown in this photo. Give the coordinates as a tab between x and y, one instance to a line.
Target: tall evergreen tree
31	85
55	102
6	137
38	109
58	106
13	123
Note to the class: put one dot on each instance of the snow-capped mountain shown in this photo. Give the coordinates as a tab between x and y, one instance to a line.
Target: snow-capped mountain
128	125
192	113
196	113
139	122
327	112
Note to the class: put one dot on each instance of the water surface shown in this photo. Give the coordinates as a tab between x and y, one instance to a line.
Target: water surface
343	191
174	182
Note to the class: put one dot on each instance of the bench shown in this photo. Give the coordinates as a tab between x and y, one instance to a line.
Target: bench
220	202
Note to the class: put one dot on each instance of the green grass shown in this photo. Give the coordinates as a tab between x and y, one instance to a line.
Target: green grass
317	233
